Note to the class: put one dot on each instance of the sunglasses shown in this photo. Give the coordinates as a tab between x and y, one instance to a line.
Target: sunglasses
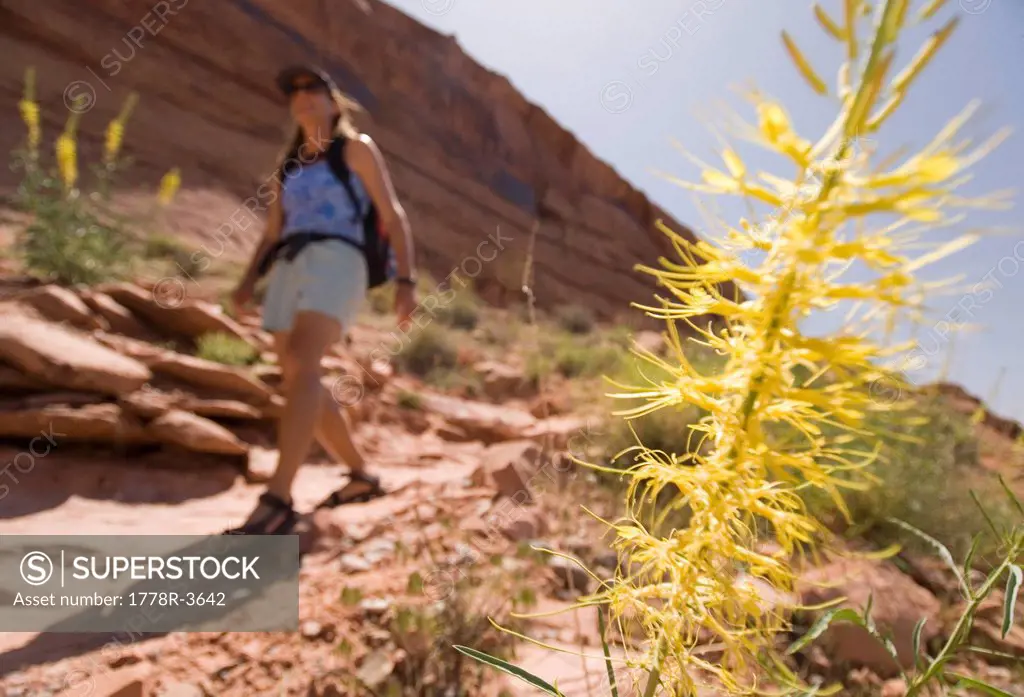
312	86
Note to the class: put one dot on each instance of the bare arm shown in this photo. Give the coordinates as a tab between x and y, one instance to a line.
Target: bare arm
365	159
271	233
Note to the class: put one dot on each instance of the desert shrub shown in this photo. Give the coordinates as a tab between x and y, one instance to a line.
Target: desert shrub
427	632
183	260
74	236
462	312
927	466
461	382
225	348
573	357
501	330
428	350
575	319
161	246
409	400
381	300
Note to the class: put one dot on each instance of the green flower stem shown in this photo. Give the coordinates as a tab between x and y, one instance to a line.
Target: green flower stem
963	625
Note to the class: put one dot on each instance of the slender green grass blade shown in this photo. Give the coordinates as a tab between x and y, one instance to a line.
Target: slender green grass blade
966	681
918	629
607	653
940	548
1013	582
975	543
1013	497
514	671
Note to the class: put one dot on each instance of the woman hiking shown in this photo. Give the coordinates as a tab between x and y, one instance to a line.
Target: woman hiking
314	238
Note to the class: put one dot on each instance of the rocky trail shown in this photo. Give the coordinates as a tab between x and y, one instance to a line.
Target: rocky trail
138	438
110	425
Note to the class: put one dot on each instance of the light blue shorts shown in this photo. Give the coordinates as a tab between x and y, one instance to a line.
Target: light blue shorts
326	277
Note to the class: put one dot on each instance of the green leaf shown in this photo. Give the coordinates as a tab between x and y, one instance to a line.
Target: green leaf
505	667
918	629
869	623
1013	581
607	653
990	652
940	548
965	681
823	623
975	542
1013	496
985	515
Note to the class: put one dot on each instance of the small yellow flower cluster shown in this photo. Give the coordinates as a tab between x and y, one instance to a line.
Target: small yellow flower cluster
66	145
115	130
764	440
29	109
67	152
169	185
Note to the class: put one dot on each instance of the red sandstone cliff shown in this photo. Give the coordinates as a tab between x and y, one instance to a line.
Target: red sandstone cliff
467	151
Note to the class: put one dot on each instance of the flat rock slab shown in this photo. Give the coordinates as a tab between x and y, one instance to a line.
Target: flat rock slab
119	318
204	373
195	433
61	305
59	356
190	318
104	423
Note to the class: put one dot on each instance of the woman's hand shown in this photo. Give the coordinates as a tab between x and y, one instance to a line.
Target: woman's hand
405	303
241	297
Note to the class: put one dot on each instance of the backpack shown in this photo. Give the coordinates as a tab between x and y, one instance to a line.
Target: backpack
376	247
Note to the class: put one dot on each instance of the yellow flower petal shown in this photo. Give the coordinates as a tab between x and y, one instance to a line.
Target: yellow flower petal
826	22
816	83
734	164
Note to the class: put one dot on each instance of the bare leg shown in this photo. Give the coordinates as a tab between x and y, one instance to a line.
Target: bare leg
333	428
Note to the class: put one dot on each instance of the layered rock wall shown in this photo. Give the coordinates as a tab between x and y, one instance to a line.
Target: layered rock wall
469	154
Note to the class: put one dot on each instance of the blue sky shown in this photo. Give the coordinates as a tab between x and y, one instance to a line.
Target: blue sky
628	82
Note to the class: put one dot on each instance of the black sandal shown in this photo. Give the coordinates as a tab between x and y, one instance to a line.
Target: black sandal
280	520
338	498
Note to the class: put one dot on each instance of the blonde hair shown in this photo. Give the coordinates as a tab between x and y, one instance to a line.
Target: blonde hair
342	125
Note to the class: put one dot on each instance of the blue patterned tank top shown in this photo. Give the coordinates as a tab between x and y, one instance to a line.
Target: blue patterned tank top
315	201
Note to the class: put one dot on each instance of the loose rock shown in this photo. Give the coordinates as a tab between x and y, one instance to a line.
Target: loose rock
898	604
508	467
487	422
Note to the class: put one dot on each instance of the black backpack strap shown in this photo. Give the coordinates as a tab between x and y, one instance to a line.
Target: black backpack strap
336	161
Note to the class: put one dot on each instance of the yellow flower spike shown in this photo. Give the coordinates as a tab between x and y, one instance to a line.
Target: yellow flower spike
816	83
827	23
29	109
115	130
738	467
169	185
67	160
901	82
66	149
